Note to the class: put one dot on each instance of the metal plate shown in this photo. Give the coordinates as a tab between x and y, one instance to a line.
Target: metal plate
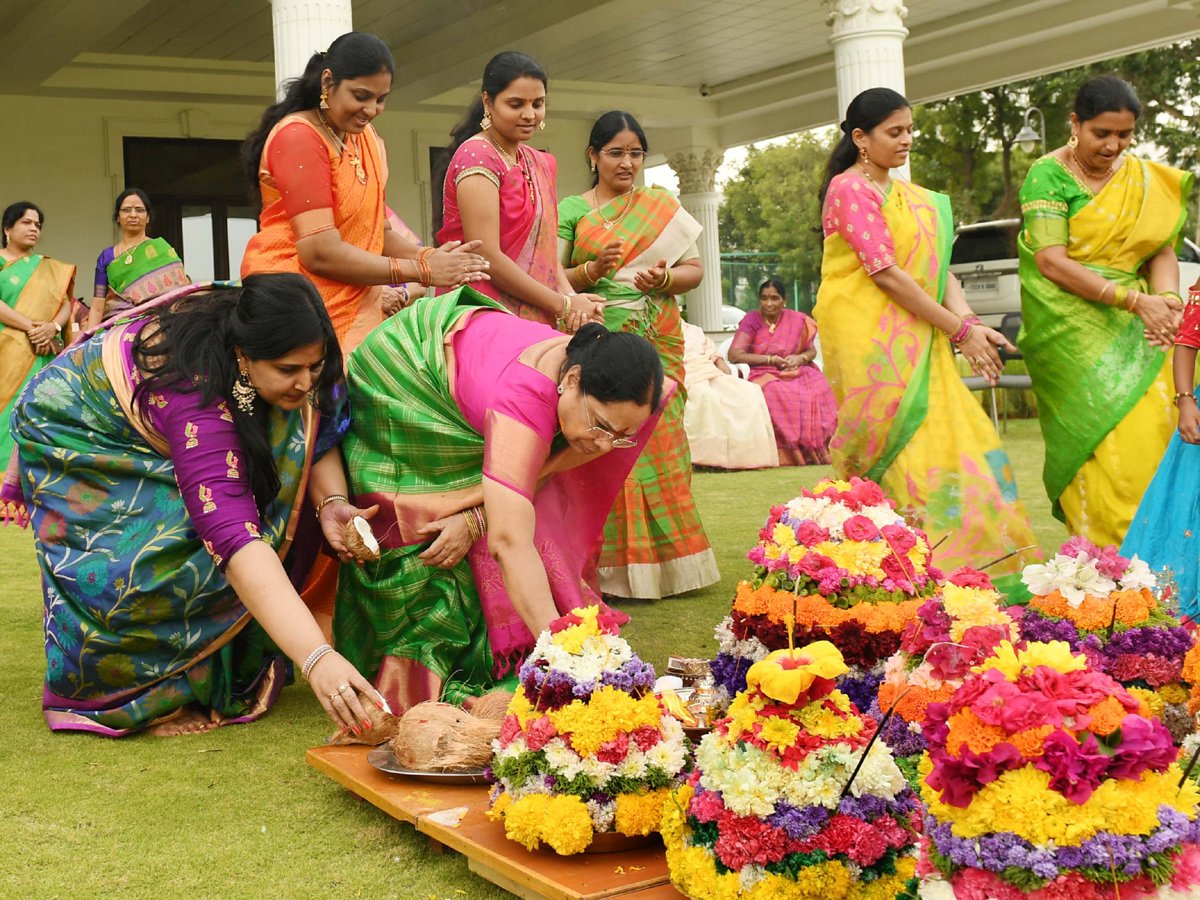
981	287
381	758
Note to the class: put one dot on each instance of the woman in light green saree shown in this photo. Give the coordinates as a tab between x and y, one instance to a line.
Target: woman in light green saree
137	269
1100	303
35	309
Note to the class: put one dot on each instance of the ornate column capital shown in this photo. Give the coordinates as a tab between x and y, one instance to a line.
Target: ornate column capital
697	169
852	18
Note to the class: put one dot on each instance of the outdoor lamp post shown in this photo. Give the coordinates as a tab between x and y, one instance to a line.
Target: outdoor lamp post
1029	137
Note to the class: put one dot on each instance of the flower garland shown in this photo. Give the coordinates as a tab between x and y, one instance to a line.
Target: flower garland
586	747
836	564
952	632
1102	605
764	816
1045	778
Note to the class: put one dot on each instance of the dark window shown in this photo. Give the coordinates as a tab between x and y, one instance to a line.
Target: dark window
985	244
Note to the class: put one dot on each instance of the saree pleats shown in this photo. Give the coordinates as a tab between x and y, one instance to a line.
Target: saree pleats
654	541
905	418
1090	364
139	621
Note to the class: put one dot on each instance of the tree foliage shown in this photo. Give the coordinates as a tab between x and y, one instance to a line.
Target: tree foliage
965	147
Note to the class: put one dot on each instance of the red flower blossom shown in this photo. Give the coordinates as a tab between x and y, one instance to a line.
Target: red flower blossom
539	733
613	751
809	533
646	737
860	528
899	538
966	577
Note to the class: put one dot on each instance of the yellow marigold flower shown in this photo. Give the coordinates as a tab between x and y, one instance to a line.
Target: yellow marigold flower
520	707
640	813
784	537
1054	655
779	734
840	700
840	486
567	826
786	674
773	551
1173	693
606	713
523	820
503	802
1154	703
828	724
968	607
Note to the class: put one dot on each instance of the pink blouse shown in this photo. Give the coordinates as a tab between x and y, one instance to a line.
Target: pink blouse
854	209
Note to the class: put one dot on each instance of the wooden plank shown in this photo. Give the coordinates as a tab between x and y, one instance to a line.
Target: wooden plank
660	892
405	799
543	873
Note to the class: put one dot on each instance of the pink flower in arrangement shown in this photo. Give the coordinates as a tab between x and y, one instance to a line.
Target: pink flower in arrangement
1075	770
1006	705
949	661
758	555
897	570
814	565
980	884
646	737
510	730
809	533
1078	545
614	751
958	778
899	538
707	806
1112	564
539	733
1145	744
860	528
772	520
966	577
745	840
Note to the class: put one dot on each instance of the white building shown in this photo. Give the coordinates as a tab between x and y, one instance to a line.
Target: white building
98	94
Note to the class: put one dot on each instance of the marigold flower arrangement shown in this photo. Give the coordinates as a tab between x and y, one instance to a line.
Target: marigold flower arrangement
586	747
1046	779
847	566
953	631
765	815
1103	605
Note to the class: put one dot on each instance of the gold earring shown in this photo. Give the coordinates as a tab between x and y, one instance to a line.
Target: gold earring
486	122
593	165
1073	141
324	98
312	399
244	393
542	125
862	155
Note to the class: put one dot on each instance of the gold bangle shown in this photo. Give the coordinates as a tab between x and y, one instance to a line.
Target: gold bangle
330	499
1104	290
1132	301
566	310
1120	295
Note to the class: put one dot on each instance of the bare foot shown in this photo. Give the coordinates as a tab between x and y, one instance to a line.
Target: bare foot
189	721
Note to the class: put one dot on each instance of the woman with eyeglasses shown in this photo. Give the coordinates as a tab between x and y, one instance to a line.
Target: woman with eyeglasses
137	268
636	247
494	448
497	189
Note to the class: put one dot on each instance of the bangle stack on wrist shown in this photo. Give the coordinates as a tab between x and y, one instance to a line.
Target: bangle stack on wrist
328	500
1184	394
583	277
961	335
1132	300
664	286
397	274
476	521
566	310
313	659
426	270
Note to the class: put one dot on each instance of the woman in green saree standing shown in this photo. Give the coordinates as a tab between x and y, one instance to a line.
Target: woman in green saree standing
138	268
35	312
1100	303
636	247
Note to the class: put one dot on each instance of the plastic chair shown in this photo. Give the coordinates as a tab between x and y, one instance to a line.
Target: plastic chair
740	369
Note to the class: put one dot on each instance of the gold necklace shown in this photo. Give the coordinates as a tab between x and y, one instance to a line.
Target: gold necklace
1088	171
128	251
519	162
610	224
883	189
355	158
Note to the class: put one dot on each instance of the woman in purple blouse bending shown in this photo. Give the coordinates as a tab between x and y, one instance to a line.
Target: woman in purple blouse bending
163	463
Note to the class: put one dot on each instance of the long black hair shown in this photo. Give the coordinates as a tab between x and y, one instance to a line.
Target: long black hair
607	127
133	192
355	54
501	71
615	366
775	283
13	214
1104	94
865	112
190	347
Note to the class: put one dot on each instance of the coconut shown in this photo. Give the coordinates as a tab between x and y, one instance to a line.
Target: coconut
383	725
436	737
360	541
493	705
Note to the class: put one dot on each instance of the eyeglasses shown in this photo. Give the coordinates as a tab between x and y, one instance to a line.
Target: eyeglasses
635	155
140	210
602	435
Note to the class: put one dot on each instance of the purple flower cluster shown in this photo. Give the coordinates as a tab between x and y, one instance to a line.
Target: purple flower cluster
996	852
862	687
1037	627
1166	643
729	672
898	734
798	822
550	689
803	822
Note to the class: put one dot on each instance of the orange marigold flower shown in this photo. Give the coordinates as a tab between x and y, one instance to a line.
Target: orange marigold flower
1191	665
1094	613
967	728
1031	742
1107	716
913	704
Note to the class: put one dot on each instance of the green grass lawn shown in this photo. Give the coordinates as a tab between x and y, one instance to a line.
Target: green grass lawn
236	812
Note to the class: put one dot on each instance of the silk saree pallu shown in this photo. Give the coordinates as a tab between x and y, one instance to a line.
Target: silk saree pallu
426	633
148	270
1103	393
905	419
35	286
359	213
139	621
654	542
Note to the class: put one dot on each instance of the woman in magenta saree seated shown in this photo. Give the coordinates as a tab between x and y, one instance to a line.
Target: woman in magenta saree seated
494	448
163	461
779	345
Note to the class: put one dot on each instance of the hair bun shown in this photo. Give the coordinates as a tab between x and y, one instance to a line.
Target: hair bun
845	126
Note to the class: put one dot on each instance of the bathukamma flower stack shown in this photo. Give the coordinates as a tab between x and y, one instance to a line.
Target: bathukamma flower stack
1047	780
585	748
763	815
1103	605
851	568
954	630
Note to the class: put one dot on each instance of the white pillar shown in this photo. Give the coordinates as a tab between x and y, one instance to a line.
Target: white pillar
301	28
868	46
697	171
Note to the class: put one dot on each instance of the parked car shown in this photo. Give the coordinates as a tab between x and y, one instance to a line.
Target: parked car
984	260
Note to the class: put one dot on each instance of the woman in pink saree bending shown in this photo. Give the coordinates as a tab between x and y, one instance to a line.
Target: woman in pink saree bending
779	345
499	190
